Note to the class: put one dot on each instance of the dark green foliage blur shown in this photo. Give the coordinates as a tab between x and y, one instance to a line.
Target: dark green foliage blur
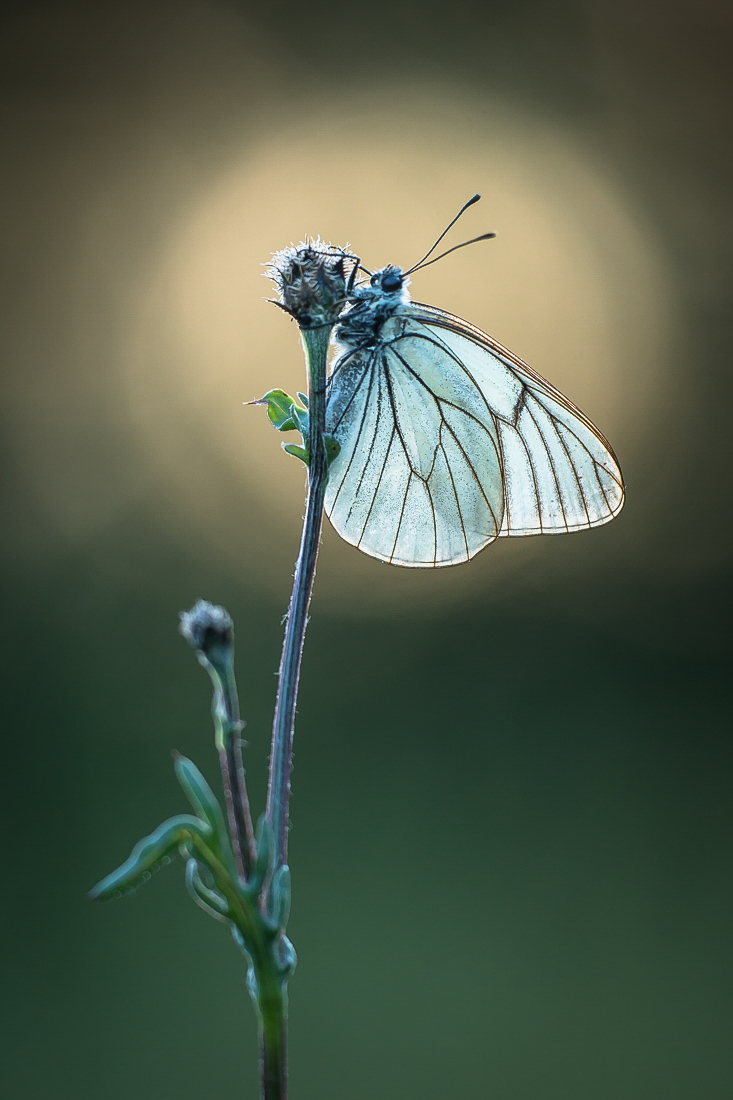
511	842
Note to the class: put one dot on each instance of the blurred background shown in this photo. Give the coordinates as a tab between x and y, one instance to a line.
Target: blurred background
511	837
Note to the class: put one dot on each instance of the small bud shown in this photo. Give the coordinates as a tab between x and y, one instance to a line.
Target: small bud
207	626
311	279
210	631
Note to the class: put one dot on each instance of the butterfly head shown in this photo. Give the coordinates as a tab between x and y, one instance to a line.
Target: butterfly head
388	286
389	279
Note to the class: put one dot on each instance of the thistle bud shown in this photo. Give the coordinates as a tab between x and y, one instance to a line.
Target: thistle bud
210	631
312	280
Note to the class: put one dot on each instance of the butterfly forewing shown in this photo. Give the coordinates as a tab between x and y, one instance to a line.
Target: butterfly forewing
498	385
560	474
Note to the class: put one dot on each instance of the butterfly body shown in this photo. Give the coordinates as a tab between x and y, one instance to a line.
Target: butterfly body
370	306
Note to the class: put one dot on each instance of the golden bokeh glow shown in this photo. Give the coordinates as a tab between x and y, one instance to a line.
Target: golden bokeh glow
573	284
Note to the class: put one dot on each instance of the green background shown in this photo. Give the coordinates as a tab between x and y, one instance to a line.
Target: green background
511	817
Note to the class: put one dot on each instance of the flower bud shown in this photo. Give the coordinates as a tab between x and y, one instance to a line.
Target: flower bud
210	631
311	279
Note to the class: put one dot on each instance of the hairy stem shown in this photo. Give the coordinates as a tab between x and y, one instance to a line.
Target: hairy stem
228	742
315	342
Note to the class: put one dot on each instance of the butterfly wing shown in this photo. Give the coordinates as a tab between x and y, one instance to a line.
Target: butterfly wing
560	473
418	478
448	440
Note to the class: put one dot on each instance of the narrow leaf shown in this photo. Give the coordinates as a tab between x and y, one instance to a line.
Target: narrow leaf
280	892
148	853
205	803
296	451
265	851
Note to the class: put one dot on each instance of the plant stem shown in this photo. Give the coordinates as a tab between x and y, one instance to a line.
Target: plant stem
273	1027
228	742
315	343
272	1002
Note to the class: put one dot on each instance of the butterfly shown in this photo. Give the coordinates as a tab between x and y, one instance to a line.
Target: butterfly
447	439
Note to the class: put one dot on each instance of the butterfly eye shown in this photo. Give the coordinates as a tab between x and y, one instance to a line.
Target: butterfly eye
391	282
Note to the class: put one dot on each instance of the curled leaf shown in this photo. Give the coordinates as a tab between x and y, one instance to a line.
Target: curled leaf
209	900
279	406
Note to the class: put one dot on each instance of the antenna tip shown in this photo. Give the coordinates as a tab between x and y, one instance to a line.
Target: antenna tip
475	198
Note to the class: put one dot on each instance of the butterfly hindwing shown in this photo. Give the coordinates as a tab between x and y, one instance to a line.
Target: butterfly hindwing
418	478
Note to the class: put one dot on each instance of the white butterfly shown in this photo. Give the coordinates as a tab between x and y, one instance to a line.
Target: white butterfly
447	439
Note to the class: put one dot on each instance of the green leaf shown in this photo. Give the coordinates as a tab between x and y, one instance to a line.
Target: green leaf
199	793
303	399
209	900
300	416
280	891
148	853
265	850
298	452
279	405
206	806
288	958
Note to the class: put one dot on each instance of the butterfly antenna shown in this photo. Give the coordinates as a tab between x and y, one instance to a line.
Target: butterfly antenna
483	237
440	238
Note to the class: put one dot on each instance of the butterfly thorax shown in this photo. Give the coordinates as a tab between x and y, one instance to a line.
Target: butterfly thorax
370	306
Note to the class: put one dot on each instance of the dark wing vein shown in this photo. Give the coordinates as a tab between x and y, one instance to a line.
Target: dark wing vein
552	465
443	319
398	429
361	426
357	387
451	355
340	364
379	482
471	467
440	401
371	445
597	434
455	492
529	460
581	493
595	463
402	515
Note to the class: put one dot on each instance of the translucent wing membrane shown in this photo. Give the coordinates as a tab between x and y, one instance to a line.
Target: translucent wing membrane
448	441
